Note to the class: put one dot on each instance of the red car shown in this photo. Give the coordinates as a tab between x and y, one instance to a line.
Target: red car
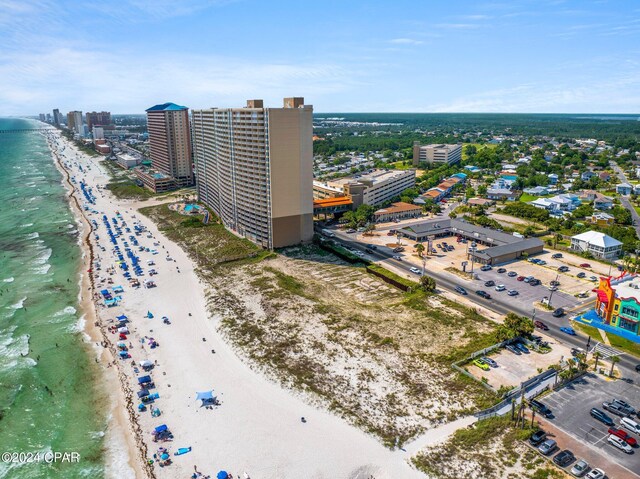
541	325
624	436
520	278
585	265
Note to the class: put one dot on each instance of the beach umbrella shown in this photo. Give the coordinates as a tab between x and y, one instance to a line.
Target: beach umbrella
149	315
164	456
146	363
222	475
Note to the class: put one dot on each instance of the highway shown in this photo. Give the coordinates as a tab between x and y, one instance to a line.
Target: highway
627	363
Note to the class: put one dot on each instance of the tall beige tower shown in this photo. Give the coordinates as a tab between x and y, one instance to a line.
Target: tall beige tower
254	168
170	142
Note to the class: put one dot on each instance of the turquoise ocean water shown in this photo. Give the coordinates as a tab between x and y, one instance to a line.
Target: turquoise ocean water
49	400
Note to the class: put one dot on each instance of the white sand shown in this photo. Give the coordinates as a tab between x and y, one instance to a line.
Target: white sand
257	428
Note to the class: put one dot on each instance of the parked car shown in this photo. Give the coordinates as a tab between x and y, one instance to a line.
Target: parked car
563	269
490	362
513	349
541	262
547	447
581	274
564	458
569	331
616	409
489	283
624	436
600	416
450	248
585	265
351	230
537	437
534	282
520	278
500	287
557	255
553	288
554	283
638	368
528	279
627	407
579	468
486	267
593	278
481	364
461	290
595	474
540	408
540	325
620	444
511	274
630	425
558	313
501	270
512	292
522	348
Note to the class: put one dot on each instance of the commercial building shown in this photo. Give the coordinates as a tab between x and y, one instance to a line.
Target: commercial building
170	142
74	122
57	117
322	191
502	247
396	212
618	305
375	187
98	133
254	169
449	154
98	118
599	245
127	161
154	180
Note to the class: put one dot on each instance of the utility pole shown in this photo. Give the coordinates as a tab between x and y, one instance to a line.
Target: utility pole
553	289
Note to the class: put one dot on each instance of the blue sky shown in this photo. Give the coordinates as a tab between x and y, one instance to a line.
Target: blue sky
342	56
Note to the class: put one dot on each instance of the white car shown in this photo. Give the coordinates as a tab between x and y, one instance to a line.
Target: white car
595	474
397	257
630	425
414	270
579	468
512	292
500	287
619	443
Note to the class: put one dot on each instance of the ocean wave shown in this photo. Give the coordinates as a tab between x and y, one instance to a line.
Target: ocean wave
14	347
11	279
18	305
65	311
43	257
44	269
26	225
34	235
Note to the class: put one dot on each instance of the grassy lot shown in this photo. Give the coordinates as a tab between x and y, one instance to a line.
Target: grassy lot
526	198
616	341
479	146
209	244
490	449
122	185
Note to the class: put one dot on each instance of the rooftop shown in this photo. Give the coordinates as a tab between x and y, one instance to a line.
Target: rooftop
167	107
595	238
398	207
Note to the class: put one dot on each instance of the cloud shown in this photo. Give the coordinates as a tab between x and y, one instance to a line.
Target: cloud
405	41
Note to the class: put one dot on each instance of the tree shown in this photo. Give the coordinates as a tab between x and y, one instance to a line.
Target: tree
614	360
596	356
427	283
469	192
420	249
513	327
482	190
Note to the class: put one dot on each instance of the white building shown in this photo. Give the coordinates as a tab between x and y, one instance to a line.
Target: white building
127	161
558	203
449	154
98	133
375	187
598	244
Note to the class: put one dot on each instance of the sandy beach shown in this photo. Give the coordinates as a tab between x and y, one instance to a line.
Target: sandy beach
256	428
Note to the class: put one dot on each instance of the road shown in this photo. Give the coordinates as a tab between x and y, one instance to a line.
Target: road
624	200
501	305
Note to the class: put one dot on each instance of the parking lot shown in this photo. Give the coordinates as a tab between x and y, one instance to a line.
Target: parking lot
513	370
571	406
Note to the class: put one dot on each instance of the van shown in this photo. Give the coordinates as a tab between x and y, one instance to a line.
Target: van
630	425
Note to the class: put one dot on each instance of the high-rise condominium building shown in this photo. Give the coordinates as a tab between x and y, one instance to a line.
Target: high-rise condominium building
98	118
42	117
57	117
170	142
74	122
254	168
449	154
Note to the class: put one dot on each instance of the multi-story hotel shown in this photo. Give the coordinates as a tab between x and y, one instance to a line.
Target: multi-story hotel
74	122
376	186
449	154
57	117
254	168
98	118
170	142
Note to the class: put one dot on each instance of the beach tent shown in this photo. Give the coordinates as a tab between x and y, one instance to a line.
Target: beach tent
161	428
122	317
145	363
149	315
123	329
222	475
143	393
144	379
124	354
205	396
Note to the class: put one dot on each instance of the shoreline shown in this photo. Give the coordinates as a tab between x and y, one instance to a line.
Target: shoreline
118	424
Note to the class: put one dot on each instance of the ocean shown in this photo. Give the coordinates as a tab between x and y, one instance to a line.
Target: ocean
49	397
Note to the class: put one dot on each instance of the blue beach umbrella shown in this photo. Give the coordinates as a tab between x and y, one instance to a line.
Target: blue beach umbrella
222	475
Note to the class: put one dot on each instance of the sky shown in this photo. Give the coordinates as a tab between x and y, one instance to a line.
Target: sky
555	56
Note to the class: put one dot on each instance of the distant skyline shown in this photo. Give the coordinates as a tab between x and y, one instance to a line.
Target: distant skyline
529	56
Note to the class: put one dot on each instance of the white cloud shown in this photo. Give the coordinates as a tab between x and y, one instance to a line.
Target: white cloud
405	41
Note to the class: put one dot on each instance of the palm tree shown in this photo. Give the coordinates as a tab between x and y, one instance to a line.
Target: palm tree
614	360
596	355
420	249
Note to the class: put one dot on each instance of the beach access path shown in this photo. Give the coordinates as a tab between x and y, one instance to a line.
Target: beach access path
257	428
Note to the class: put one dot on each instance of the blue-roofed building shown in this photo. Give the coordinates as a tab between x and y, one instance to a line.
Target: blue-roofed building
170	142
